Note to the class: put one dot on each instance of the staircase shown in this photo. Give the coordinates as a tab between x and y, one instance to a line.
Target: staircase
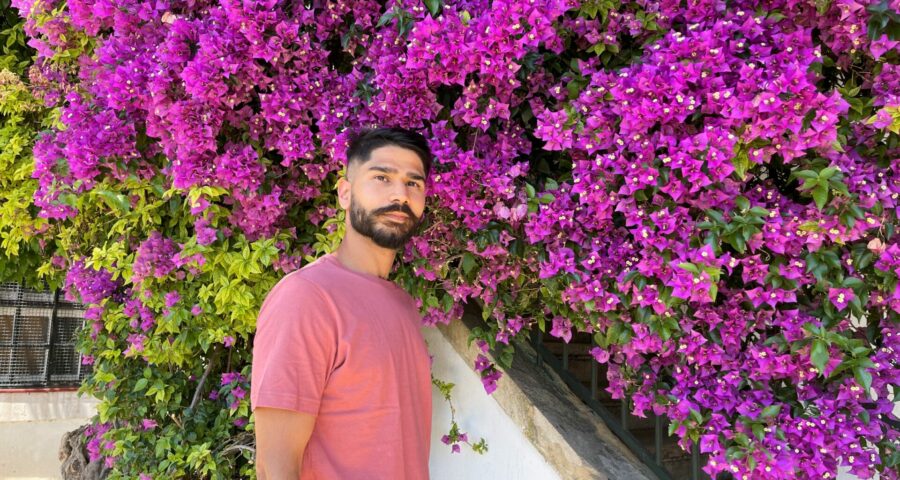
660	451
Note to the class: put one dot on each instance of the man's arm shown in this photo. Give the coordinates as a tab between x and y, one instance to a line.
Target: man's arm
281	438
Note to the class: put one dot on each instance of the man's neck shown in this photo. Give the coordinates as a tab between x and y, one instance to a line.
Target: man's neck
360	253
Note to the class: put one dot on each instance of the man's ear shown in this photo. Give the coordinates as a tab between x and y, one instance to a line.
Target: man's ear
343	189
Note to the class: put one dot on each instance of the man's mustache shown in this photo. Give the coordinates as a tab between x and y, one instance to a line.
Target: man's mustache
396	207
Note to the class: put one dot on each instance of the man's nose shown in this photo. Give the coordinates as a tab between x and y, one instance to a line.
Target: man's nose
399	193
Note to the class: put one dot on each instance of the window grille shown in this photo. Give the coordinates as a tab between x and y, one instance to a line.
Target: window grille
37	338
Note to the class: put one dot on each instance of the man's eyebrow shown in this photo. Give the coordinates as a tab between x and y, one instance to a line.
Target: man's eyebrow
383	169
413	176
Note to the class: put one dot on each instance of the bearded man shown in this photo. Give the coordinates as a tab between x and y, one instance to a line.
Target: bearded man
341	380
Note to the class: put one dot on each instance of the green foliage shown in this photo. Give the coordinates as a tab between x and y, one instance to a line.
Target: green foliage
22	116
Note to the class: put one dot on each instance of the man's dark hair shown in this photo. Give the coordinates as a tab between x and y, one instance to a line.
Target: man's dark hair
364	142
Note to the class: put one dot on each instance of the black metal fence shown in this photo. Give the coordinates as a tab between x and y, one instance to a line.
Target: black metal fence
647	438
37	339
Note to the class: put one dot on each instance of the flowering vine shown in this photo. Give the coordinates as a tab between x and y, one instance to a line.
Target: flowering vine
710	191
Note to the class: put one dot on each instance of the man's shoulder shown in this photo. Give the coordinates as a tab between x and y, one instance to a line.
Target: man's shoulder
297	293
310	279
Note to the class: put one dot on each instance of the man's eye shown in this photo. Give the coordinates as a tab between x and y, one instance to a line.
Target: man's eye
414	184
380	178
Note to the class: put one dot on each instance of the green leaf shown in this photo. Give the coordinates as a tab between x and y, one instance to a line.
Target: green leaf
758	431
387	17
770	411
759	211
715	215
697	416
820	195
819	354
806	174
828	173
433	6
689	267
140	385
468	262
863	376
115	200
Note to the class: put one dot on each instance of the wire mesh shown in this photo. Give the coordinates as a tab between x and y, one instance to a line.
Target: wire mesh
38	333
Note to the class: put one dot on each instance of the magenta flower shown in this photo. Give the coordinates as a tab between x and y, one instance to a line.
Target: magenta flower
238	392
172	298
599	354
562	328
840	297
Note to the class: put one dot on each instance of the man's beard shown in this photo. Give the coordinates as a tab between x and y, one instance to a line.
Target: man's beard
393	235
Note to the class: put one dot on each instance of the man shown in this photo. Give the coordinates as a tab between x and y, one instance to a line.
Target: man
341	382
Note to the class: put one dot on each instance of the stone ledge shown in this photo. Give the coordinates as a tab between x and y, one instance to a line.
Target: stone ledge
571	437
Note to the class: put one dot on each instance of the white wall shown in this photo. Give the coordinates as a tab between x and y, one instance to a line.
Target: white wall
510	456
32	425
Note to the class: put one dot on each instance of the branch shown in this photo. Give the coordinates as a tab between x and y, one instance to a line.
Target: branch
237	448
201	383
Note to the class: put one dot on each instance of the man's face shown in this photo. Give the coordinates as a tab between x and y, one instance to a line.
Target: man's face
386	196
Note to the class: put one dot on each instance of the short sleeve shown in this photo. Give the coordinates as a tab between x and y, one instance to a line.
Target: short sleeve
295	347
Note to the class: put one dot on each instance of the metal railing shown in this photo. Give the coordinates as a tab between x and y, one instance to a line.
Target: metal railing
37	339
619	426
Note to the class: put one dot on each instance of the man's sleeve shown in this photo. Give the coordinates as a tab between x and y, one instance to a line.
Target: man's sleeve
294	349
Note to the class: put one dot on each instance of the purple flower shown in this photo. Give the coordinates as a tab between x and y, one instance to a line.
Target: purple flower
840	297
238	392
481	363
562	328
135	344
148	424
172	298
599	354
231	377
155	258
489	380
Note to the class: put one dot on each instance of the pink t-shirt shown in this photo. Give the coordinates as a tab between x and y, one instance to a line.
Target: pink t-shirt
346	346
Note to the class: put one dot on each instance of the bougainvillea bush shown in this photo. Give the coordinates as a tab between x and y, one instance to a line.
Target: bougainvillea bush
709	188
21	116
